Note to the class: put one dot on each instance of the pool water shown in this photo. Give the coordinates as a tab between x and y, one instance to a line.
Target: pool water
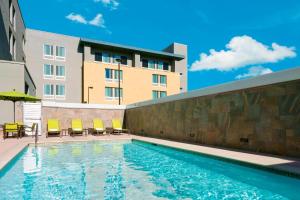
134	170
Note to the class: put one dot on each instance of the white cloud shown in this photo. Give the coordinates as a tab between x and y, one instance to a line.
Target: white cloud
255	71
242	51
77	18
98	21
113	4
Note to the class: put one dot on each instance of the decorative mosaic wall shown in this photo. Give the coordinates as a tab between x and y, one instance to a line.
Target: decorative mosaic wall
263	119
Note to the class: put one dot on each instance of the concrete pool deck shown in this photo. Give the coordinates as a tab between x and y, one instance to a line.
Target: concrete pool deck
9	148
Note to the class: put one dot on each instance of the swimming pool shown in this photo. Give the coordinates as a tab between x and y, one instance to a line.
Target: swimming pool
134	170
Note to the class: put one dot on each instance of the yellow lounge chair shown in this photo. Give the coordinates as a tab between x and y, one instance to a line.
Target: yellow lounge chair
76	127
117	127
10	128
98	126
53	128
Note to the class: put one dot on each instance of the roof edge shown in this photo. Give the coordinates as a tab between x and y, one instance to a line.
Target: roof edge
137	49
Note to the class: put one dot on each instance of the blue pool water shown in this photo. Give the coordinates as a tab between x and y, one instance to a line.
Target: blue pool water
134	170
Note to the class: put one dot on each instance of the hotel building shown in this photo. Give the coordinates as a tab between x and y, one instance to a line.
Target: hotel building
14	74
71	69
144	74
63	68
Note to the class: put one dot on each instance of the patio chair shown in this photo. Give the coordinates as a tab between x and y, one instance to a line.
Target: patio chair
10	128
98	126
53	128
76	127
117	127
32	129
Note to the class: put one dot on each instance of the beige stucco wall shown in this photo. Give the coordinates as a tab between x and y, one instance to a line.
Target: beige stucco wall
137	83
65	116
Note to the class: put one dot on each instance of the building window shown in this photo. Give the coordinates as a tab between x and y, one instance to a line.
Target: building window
48	51
105	57
12	15
158	94
108	74
109	92
23	41
124	60
160	65
116	75
60	53
113	75
60	91
117	92
145	63
155	94
163	94
60	72
154	79
98	56
166	66
14	19
12	45
151	64
163	80
116	58
48	71
48	91
113	93
26	88
10	11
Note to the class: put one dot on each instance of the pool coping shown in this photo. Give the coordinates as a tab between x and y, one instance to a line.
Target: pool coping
286	171
271	163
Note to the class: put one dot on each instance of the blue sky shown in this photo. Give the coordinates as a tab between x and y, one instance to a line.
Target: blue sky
249	37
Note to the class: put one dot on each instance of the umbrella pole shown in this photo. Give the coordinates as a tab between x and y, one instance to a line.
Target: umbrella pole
14	112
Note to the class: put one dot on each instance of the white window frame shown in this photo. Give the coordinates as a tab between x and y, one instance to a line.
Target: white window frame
150	61
60	78
115	79
60	58
48	57
163	84
48	76
108	97
46	96
114	93
162	63
60	97
155	84
162	92
112	74
157	92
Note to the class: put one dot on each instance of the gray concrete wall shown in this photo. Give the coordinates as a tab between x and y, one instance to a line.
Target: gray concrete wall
73	64
11	77
259	114
136	60
180	66
18	33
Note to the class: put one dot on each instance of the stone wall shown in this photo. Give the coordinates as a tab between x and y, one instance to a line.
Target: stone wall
65	115
260	119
